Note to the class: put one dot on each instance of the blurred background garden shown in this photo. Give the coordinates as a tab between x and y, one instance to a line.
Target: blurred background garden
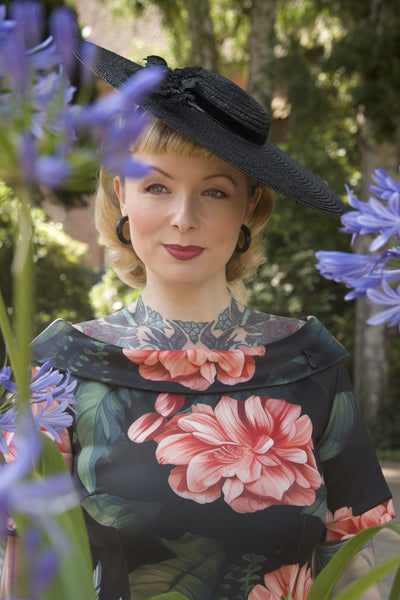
328	73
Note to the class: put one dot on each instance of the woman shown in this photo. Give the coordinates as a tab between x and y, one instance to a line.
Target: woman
216	449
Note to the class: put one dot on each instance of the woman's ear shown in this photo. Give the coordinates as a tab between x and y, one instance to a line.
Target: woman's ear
253	201
119	189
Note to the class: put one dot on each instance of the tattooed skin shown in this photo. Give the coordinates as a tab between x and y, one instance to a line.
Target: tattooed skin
238	326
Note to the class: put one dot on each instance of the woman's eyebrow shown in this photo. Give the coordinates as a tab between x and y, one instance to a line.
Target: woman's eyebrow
222	175
154	168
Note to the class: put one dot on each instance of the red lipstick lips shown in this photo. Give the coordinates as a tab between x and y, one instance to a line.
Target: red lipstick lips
183	252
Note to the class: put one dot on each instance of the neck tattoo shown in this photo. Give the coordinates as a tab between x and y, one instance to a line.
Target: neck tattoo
190	332
192	329
143	328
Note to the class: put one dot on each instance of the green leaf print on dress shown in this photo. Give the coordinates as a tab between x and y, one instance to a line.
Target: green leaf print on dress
241	576
318	507
339	427
194	571
101	410
113	511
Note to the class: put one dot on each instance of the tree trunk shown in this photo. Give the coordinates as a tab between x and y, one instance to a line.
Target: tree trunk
262	41
203	49
371	341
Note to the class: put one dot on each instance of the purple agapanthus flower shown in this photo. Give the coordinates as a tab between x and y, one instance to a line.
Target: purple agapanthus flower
5	380
388	296
49	384
386	187
115	123
64	30
52	400
28	16
36	499
357	271
366	273
50	171
7	423
373	216
53	418
36	104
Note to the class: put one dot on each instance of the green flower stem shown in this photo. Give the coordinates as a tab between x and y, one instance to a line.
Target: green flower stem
8	335
23	294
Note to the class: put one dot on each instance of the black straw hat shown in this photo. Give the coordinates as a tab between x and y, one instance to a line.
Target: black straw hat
222	117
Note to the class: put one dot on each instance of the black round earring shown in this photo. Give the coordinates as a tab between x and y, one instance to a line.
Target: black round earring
120	230
247	240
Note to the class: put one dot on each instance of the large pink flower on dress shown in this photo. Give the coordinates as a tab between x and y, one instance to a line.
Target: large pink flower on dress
343	525
196	369
277	584
256	452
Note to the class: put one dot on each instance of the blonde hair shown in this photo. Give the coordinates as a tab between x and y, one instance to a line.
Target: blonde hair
160	138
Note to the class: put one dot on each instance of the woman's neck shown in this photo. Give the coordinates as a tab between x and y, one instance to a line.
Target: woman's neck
197	306
225	331
143	328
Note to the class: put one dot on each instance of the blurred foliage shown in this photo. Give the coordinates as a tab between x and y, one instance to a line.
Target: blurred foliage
110	294
288	283
367	55
385	426
62	282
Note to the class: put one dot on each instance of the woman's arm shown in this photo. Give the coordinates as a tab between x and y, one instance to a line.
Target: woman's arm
360	564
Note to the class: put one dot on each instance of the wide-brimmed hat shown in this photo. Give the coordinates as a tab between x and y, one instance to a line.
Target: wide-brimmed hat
218	114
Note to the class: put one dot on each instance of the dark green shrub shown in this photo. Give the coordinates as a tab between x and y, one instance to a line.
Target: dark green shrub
62	282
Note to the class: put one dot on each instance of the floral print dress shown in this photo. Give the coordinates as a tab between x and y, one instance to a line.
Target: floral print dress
216	473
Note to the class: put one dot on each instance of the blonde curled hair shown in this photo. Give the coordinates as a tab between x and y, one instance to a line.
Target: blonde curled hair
160	138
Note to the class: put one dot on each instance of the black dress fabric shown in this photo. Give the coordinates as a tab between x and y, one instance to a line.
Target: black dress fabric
215	473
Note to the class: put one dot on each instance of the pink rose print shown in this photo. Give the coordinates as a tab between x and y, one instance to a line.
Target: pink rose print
343	525
257	453
196	369
277	584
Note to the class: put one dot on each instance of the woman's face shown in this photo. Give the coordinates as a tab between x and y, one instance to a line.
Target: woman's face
185	217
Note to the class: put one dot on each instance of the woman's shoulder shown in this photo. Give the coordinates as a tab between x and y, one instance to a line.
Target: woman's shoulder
265	328
240	327
117	328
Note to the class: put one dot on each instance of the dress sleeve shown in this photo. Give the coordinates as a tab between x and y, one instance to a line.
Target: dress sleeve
357	493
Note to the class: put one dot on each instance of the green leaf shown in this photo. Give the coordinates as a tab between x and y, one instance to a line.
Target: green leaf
74	578
358	587
395	591
324	583
339	427
193	570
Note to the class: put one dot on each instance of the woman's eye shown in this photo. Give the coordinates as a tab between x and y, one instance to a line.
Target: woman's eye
215	193
155	188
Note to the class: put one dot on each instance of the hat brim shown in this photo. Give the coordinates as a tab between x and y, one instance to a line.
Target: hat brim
267	163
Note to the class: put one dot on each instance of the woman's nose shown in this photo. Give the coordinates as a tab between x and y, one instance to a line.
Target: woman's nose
184	215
